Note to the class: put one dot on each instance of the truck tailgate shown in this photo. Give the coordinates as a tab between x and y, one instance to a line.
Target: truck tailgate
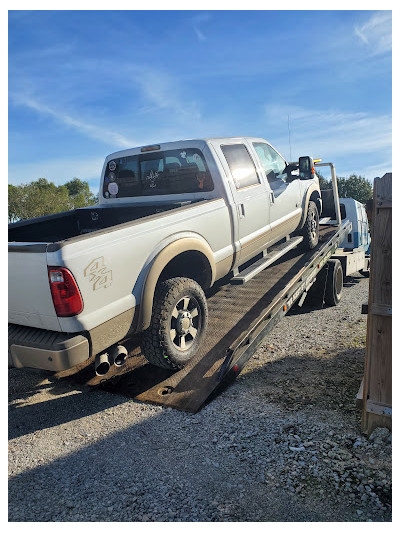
29	297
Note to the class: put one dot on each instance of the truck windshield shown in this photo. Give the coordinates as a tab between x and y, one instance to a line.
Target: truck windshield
157	173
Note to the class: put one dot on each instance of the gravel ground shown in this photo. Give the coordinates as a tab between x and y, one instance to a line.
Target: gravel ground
283	443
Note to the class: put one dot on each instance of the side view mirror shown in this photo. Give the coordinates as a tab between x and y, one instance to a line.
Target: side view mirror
306	167
291	167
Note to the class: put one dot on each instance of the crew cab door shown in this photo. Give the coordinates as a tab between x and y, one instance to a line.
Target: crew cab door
250	196
284	192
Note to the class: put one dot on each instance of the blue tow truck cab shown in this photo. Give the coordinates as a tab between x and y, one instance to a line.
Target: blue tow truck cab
354	251
359	237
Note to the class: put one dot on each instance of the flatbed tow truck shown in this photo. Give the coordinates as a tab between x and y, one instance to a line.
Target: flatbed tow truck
240	317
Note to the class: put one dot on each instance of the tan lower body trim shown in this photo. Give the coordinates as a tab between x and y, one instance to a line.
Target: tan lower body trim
223	267
114	330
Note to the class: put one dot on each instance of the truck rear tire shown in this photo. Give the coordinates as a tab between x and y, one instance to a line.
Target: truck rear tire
334	282
315	295
310	230
178	324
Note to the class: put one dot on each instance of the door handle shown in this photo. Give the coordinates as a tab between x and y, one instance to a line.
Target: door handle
240	209
272	198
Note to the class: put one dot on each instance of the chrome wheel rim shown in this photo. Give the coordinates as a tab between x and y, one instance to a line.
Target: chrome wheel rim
185	323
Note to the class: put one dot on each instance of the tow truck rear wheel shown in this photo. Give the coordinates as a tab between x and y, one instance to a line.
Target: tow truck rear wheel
334	282
310	230
178	323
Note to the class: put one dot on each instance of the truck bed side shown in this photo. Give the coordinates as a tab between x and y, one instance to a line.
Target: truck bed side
110	265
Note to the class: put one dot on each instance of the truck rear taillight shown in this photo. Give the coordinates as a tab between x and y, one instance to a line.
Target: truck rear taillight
67	299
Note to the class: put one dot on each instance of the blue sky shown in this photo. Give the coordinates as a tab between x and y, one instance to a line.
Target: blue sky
83	84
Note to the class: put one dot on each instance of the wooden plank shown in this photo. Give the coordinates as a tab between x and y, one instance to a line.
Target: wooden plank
379	408
384	204
378	363
381	310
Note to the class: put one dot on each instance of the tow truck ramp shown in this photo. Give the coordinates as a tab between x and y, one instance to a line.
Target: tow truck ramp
240	317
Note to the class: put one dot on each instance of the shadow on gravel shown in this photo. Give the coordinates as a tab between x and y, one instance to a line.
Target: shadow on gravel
351	281
323	379
170	458
33	417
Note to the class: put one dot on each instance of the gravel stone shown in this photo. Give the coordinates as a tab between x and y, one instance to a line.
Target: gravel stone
282	444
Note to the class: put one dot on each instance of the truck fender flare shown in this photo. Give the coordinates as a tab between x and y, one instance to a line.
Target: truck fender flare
311	189
161	260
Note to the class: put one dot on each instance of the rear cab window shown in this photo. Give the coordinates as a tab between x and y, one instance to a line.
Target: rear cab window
165	172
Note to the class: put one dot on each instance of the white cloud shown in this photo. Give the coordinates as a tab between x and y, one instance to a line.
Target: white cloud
196	21
370	172
360	34
164	92
329	134
200	35
99	133
376	33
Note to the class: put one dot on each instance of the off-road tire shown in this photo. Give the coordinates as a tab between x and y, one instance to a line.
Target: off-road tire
157	344
310	231
334	282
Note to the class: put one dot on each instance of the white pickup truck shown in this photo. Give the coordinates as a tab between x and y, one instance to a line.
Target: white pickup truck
171	220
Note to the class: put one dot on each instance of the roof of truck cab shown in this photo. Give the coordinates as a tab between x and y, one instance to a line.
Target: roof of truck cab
206	139
163	144
229	138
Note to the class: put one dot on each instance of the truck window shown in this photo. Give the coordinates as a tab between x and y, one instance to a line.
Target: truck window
241	165
273	164
157	173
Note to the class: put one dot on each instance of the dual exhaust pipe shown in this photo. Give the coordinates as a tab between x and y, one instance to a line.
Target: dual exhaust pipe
116	356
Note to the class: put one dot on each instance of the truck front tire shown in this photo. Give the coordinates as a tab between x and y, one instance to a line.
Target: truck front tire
311	227
178	323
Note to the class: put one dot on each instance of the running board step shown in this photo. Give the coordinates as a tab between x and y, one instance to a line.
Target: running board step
273	255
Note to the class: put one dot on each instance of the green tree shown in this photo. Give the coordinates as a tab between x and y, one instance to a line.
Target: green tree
358	188
14	194
323	182
354	186
42	197
80	193
341	183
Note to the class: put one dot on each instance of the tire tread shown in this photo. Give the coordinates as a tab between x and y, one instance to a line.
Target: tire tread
154	346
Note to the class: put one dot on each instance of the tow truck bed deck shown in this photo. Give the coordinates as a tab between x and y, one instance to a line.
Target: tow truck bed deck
239	319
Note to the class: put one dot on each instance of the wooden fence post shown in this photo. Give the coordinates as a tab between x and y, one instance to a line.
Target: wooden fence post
377	392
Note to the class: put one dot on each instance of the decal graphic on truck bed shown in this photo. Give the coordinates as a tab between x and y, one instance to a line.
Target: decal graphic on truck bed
98	274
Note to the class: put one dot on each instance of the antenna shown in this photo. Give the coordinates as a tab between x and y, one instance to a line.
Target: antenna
290	144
